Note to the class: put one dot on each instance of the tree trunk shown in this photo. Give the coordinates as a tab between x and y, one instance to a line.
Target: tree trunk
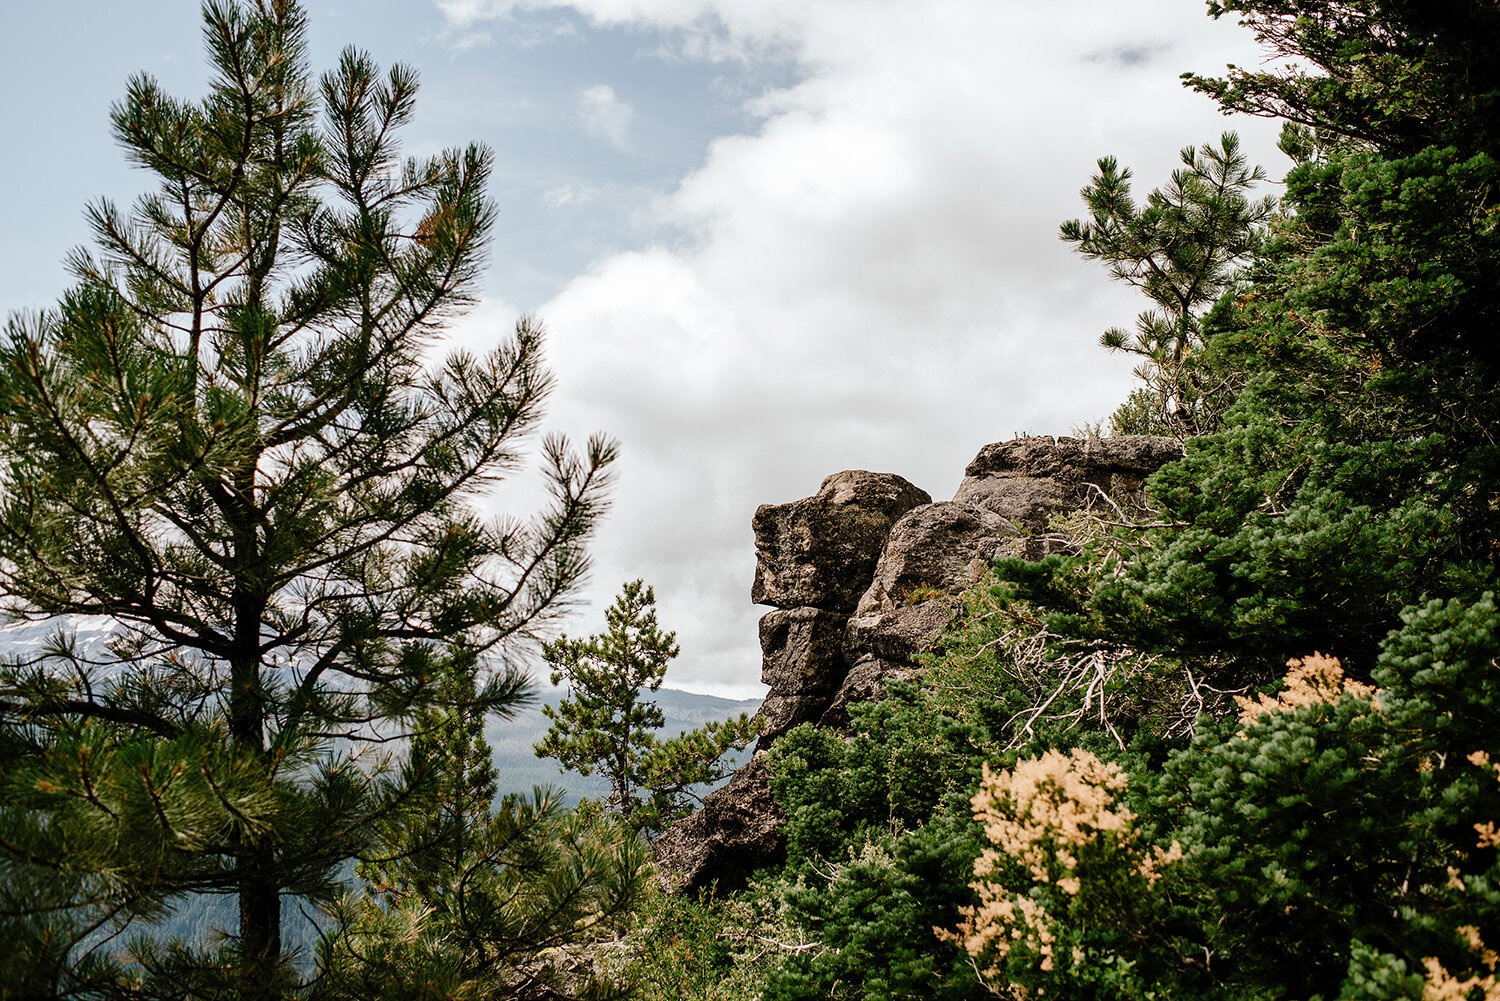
260	897
260	932
259	889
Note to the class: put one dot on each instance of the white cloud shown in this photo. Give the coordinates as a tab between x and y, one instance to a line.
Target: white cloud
873	278
461	17
462	41
569	194
604	115
462	14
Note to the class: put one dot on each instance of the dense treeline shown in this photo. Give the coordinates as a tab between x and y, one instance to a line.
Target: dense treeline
1243	743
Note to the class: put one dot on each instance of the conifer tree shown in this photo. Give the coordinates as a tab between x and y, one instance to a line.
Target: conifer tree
231	437
453	778
1340	845
1181	247
467	898
605	724
1353	470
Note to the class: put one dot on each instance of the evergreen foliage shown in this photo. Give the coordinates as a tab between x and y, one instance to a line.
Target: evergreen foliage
703	948
1335	847
464	897
880	841
876	860
1329	836
231	438
1393	75
1363	434
607	725
511	907
1181	248
452	776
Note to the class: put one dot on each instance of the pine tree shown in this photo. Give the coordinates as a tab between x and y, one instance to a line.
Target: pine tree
1392	75
1351	477
469	898
453	778
231	437
1182	248
517	912
605	724
1340	845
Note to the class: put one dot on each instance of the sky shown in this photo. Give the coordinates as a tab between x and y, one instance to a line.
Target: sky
769	239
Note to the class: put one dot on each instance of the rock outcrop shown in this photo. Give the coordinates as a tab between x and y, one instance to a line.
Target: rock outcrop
819	552
863	577
1028	480
932	553
737	830
802	666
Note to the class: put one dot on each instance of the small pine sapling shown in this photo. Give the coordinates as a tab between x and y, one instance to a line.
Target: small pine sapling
606	725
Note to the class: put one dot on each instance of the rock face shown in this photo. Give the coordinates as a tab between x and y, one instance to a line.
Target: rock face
803	665
819	552
737	829
1030	479
864	576
933	553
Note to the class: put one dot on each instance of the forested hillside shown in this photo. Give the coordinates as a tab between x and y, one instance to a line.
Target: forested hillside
1241	740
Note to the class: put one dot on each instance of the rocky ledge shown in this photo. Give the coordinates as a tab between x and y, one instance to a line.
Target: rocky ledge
862	577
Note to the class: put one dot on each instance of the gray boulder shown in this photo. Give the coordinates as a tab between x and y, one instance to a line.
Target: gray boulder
1028	480
1120	465
934	553
821	551
937	547
803	666
901	632
865	682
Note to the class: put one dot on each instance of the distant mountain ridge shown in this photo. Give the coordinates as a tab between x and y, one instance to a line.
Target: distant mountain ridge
512	739
26	639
